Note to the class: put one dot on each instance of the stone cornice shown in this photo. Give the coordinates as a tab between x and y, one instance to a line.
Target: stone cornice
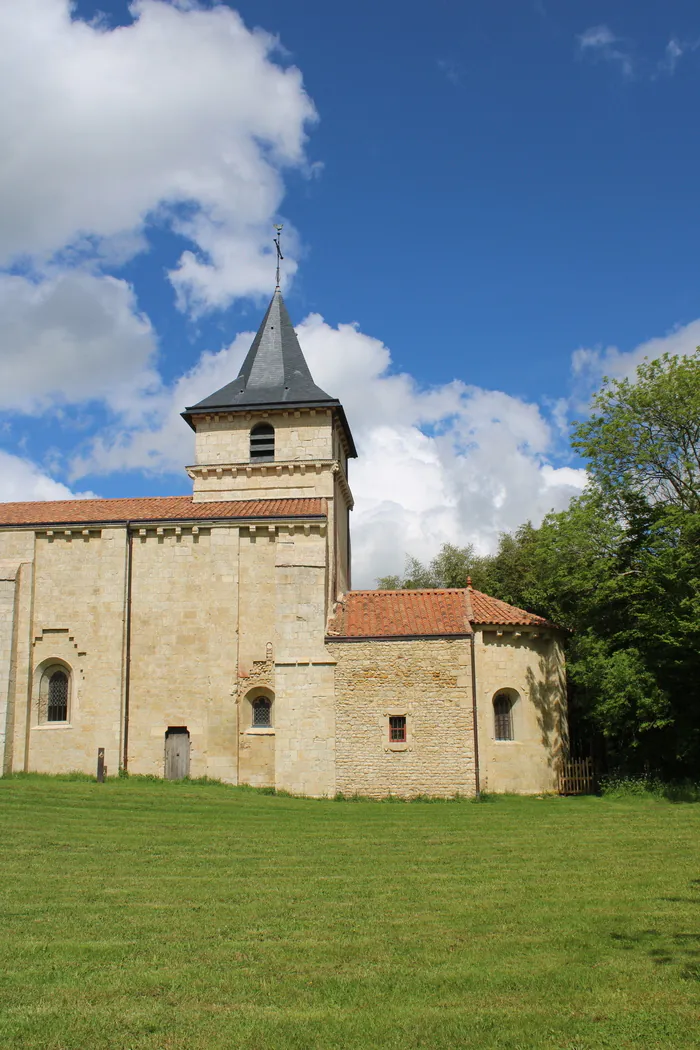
273	469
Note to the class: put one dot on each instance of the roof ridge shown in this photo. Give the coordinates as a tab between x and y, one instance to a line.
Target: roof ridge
408	590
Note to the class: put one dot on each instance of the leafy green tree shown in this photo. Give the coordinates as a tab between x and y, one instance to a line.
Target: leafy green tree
643	436
451	567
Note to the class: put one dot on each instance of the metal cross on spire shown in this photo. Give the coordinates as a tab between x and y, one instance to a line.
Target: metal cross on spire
280	257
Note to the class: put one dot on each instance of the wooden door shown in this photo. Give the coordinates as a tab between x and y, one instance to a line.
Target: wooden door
177	754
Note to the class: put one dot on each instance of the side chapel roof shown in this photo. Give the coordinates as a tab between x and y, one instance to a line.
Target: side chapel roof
422	614
274	375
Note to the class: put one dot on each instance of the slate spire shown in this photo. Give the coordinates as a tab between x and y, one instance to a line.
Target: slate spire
274	374
274	371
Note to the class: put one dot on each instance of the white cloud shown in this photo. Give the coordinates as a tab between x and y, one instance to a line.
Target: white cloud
450	463
589	365
673	52
103	128
72	337
599	42
20	479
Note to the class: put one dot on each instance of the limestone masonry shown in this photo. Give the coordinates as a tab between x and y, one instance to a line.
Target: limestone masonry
217	635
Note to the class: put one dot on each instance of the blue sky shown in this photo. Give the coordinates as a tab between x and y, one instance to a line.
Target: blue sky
500	196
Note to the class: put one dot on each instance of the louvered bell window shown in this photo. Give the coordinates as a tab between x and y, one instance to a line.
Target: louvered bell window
503	717
57	709
262	710
262	443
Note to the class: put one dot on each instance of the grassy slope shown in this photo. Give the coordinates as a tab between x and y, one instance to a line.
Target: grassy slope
155	915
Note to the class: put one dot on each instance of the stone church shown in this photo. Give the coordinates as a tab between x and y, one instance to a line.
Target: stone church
218	635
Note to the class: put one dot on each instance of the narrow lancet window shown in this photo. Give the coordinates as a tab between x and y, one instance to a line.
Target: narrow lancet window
57	708
503	717
262	443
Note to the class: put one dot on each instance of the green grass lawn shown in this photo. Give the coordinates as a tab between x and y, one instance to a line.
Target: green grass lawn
199	917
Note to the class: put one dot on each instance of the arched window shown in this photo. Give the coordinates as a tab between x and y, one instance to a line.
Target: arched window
262	443
503	716
262	713
57	698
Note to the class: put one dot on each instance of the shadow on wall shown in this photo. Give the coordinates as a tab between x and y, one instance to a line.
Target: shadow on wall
547	691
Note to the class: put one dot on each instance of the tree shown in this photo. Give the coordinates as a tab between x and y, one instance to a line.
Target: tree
642	439
450	568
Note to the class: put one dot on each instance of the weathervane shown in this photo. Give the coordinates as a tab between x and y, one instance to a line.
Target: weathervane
280	257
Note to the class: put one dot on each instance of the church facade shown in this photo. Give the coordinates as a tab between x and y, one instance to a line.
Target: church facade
217	634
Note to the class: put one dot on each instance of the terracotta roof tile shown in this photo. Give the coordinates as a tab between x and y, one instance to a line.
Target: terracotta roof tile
492	610
157	508
425	613
397	614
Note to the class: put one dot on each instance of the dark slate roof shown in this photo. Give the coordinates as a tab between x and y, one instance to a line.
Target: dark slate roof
274	372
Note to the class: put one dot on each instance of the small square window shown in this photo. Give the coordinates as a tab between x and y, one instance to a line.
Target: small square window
397	728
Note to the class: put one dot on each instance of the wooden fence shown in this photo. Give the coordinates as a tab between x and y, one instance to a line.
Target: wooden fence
576	777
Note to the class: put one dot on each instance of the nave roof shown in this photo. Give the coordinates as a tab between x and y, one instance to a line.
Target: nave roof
154	508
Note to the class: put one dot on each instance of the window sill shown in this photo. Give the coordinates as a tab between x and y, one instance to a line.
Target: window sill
398	747
259	732
53	725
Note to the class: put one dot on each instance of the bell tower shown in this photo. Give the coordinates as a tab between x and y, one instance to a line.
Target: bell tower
273	434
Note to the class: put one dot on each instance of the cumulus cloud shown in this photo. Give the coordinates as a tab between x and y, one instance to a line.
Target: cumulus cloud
72	337
185	117
599	42
589	365
20	479
451	463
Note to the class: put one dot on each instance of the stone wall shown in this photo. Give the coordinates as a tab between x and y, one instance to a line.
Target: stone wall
299	435
529	666
428	681
222	610
78	622
184	648
9	580
305	715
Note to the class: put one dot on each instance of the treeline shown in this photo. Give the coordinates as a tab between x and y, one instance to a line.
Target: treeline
620	569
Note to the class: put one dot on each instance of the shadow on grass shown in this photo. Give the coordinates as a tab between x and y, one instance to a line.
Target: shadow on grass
681	950
650	787
211	782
